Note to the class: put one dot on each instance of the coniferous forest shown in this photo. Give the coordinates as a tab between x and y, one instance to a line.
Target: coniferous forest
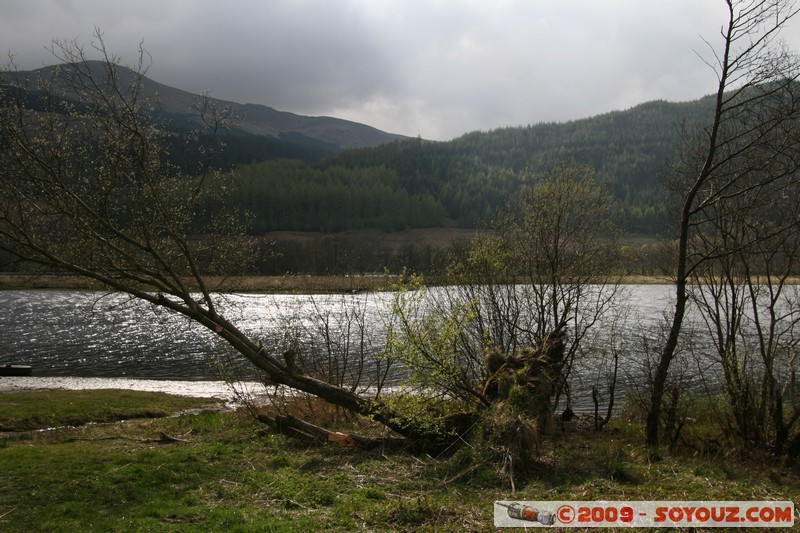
422	184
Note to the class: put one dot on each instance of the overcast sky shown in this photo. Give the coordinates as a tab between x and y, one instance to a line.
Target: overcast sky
435	68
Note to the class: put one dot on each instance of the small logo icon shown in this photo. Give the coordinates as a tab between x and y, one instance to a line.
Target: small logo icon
520	511
566	514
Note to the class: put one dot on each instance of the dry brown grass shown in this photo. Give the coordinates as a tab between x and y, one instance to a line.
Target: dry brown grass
286	284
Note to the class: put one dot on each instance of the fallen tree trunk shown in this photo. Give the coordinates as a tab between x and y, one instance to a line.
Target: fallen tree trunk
294	427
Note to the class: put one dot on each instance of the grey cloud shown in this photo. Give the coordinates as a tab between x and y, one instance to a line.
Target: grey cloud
434	68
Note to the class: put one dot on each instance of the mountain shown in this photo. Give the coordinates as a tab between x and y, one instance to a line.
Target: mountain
351	177
176	107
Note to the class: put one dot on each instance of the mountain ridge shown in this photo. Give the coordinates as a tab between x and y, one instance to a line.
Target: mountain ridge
257	119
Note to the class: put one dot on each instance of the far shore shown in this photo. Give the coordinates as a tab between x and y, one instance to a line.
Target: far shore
279	284
290	283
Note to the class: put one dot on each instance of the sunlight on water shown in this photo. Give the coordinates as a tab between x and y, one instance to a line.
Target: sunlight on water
87	334
84	334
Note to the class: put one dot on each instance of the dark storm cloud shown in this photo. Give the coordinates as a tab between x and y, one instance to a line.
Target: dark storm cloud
437	68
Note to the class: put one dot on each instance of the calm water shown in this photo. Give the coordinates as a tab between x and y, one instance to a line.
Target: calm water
84	334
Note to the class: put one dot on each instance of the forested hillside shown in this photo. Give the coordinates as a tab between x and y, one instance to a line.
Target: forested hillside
293	175
417	183
285	194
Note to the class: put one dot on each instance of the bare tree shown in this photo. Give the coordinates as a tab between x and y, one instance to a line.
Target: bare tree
745	296
524	300
751	140
87	188
564	240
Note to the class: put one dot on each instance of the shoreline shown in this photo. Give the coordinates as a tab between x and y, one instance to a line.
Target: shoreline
286	284
298	283
276	284
199	389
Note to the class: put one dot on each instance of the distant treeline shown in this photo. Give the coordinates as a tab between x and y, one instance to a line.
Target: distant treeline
339	254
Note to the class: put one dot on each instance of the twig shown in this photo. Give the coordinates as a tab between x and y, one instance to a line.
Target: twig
118	468
511	475
169	438
458	476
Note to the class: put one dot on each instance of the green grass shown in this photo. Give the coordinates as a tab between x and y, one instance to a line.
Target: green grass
233	476
56	408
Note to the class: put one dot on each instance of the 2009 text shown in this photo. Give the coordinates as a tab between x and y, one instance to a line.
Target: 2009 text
645	514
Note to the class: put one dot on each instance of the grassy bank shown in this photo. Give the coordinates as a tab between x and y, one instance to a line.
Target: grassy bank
219	471
32	410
